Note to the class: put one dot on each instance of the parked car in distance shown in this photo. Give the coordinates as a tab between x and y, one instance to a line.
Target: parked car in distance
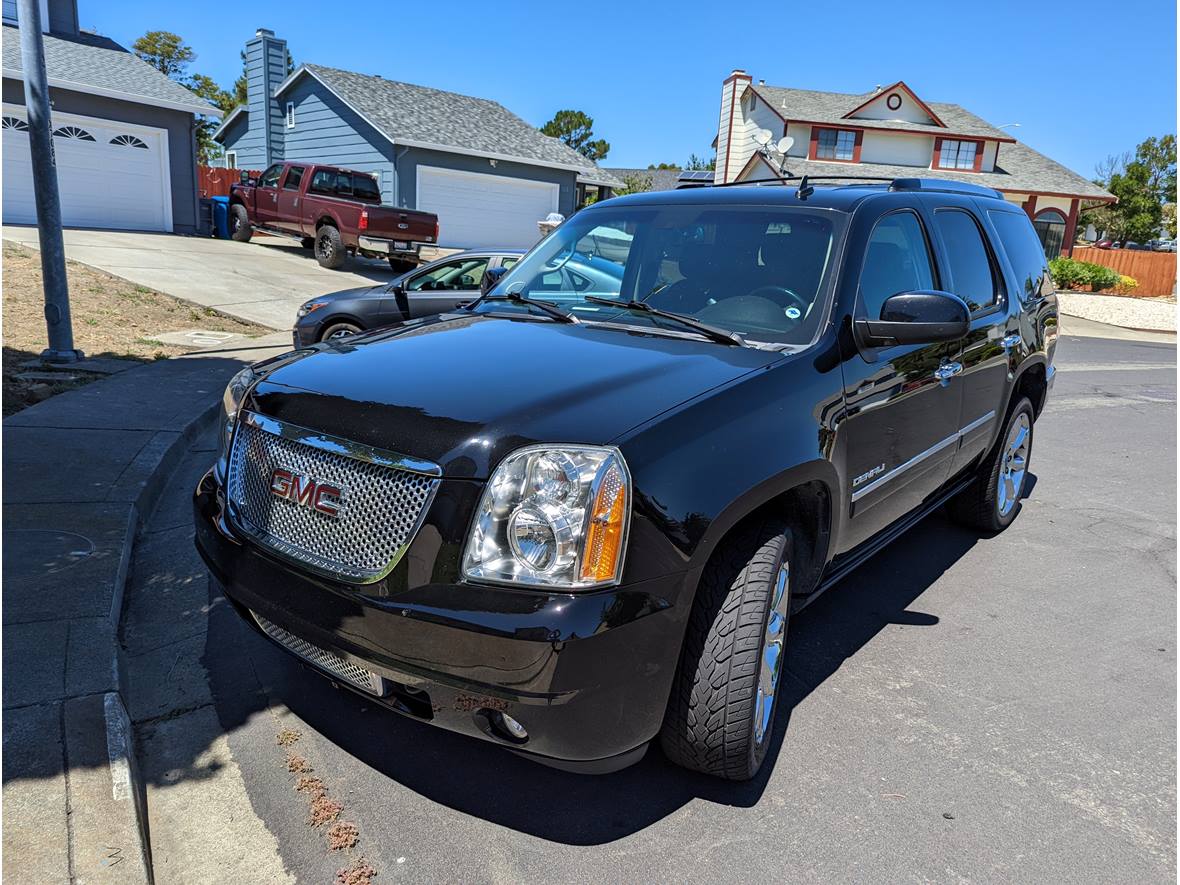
1162	245
1136	247
336	212
1105	243
574	521
432	288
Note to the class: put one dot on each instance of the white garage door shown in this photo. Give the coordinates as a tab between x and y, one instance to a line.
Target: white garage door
108	174
477	211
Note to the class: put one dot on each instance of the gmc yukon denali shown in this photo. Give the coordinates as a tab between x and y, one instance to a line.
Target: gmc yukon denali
334	211
572	519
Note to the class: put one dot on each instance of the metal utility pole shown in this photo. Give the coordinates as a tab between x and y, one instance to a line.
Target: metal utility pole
53	256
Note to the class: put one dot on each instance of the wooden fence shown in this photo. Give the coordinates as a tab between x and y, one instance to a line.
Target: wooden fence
1154	271
213	181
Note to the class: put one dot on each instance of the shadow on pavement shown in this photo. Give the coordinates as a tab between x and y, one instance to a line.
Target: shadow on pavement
484	780
376	270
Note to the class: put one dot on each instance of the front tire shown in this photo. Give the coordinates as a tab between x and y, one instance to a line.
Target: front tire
329	248
240	228
340	329
992	501
720	718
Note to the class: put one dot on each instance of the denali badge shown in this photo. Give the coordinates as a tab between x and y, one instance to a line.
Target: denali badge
868	474
307	492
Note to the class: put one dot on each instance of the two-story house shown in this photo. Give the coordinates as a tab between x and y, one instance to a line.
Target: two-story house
487	174
124	136
893	133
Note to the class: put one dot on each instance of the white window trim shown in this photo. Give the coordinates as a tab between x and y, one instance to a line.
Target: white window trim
228	164
290	115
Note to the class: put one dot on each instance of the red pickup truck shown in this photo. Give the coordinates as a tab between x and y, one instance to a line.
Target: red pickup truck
335	211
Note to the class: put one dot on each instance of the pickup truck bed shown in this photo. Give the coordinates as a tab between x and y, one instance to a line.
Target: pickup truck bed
335	211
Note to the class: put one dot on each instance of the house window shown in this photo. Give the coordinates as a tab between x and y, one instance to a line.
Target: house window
956	154
290	115
1050	228
231	159
75	132
836	144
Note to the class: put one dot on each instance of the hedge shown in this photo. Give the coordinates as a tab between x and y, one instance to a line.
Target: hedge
1071	274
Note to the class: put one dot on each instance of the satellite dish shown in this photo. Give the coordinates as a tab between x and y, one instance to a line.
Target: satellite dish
763	136
785	144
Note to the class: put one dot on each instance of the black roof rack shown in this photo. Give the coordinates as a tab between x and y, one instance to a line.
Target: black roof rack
928	185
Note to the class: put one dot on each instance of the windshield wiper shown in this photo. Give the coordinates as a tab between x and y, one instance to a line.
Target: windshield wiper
721	336
516	298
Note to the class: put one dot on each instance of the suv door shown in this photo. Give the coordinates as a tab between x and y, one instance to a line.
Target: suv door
900	430
266	195
444	286
287	213
974	274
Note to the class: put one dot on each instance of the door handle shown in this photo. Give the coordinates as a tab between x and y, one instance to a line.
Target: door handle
1010	341
946	372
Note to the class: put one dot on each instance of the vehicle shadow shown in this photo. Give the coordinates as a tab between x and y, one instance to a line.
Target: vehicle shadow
480	779
377	270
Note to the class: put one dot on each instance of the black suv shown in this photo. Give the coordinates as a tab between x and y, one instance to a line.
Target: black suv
572	518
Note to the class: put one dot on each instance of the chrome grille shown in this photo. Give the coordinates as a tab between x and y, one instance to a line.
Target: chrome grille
384	497
324	659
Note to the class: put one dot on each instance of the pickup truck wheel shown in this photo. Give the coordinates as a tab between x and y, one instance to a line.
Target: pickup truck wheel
339	330
329	249
720	718
240	228
307	243
402	265
992	501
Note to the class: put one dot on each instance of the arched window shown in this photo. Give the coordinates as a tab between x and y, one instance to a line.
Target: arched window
75	132
1050	227
129	141
16	124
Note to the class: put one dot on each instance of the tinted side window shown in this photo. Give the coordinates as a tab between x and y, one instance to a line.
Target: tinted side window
270	177
972	276
344	184
1024	251
365	187
897	259
323	182
465	273
294	176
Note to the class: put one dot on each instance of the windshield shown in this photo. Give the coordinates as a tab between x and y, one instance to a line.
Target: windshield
759	271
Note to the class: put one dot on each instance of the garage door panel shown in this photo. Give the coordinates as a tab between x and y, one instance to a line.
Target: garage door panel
109	182
476	210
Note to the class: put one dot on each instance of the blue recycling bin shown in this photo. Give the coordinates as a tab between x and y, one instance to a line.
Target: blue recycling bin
221	217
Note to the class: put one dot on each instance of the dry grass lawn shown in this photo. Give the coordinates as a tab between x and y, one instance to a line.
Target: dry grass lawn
111	317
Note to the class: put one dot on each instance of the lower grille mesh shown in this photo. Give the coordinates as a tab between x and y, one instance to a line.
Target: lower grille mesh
340	667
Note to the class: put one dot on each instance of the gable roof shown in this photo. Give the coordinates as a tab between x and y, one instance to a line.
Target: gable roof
420	116
881	93
100	66
809	106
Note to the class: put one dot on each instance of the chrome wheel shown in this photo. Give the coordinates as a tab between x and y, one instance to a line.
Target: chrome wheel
340	333
326	248
772	654
1014	465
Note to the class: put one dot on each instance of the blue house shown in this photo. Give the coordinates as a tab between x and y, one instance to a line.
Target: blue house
487	174
123	132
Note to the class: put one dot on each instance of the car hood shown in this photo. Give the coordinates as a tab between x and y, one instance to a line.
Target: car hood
350	294
463	391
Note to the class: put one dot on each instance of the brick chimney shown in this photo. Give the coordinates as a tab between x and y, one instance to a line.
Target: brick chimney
266	69
729	162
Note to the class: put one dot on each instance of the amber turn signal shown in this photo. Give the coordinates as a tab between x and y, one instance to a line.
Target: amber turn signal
608	517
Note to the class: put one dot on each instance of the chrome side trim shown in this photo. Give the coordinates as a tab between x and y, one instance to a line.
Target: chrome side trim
922	456
340	446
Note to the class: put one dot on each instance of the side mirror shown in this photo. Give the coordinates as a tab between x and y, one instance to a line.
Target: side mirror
491	276
922	317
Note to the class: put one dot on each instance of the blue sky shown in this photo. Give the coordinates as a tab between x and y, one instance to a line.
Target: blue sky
1084	80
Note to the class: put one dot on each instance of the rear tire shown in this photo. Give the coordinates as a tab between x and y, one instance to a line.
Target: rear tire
992	501
720	718
402	265
329	248
240	228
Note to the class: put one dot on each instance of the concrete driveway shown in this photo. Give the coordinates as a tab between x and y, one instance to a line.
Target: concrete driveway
263	281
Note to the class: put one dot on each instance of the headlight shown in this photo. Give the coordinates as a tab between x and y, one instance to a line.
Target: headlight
552	516
309	307
239	385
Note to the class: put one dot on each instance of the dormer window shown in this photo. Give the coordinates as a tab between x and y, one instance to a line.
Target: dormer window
960	154
841	145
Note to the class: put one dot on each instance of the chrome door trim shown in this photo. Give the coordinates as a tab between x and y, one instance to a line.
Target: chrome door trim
339	445
922	456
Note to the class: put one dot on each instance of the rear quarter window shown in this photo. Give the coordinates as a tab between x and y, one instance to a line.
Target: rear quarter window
1025	253
364	187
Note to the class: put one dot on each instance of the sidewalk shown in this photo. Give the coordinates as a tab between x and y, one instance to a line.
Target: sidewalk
1143	314
81	471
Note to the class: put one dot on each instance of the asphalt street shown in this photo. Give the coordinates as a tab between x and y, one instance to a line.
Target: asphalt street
961	709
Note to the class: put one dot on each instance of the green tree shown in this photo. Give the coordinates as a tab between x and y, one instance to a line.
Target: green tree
1145	185
634	183
208	149
700	163
165	51
576	129
673	166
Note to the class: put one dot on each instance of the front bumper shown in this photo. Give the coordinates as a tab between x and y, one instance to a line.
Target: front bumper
588	675
387	247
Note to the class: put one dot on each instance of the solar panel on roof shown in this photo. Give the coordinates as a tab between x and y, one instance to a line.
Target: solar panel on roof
696	175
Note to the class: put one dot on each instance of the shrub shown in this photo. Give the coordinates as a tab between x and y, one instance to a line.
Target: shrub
1069	273
1126	285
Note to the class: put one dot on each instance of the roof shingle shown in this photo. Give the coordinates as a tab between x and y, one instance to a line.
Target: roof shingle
95	62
